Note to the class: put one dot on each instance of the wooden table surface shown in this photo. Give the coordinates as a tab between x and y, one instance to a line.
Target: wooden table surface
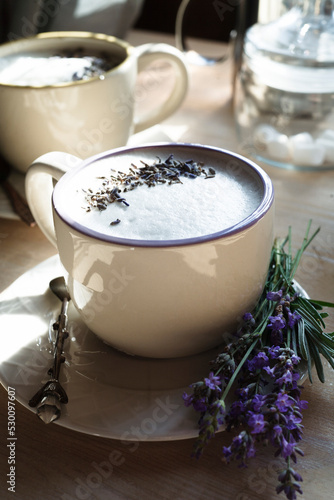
52	462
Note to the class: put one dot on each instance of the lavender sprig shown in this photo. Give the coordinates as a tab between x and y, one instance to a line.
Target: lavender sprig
252	388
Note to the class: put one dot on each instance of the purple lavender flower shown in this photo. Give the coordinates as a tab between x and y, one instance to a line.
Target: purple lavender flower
251	451
302	404
188	399
241	448
290	490
285	379
269	371
269	411
258	362
237	441
288	479
261	360
277	431
227	452
273	351
295	359
287	448
295	378
256	422
295	475
276	322
242	392
258	401
248	316
218	409
237	408
293	422
283	402
200	405
213	381
293	318
275	296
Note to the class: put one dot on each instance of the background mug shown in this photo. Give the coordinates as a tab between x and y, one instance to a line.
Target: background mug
82	117
161	298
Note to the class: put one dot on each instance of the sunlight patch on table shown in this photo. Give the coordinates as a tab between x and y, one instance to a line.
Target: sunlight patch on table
17	331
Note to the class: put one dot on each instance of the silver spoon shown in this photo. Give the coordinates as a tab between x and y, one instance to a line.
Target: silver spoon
49	398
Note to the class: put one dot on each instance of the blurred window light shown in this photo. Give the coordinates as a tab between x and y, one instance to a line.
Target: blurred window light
87	7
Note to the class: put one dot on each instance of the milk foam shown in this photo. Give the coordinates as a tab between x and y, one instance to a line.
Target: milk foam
37	69
197	207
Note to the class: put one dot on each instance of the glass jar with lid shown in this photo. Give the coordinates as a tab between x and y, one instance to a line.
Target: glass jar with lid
284	91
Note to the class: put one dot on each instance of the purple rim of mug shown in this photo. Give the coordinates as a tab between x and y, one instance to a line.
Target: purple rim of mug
253	218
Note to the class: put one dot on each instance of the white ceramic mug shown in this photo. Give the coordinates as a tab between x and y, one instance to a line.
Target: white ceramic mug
83	117
166	298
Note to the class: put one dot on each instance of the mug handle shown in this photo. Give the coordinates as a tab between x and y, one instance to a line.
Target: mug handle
39	184
147	54
193	56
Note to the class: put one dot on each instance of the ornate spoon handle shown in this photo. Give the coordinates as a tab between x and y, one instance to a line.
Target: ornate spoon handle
48	399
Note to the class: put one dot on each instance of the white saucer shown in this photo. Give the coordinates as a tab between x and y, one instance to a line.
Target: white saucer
110	394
